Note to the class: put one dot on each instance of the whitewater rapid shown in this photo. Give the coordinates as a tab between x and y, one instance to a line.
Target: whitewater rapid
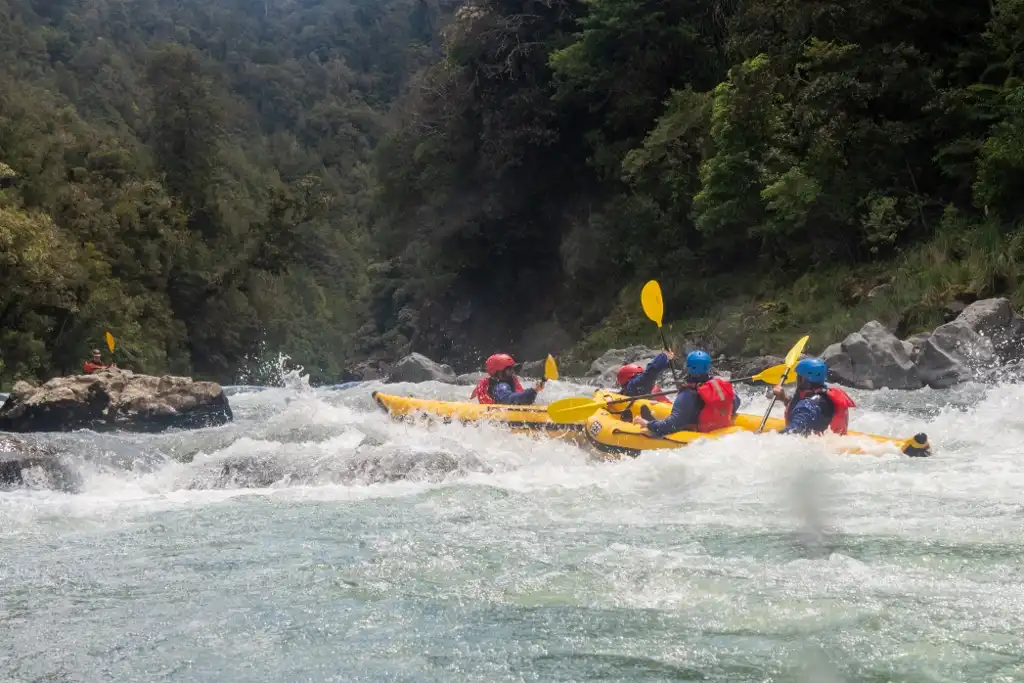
316	539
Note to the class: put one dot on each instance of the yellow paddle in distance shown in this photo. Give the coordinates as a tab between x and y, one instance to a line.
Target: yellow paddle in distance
791	359
110	341
654	308
550	368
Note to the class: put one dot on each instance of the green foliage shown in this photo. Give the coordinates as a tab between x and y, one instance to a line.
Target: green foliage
740	151
192	176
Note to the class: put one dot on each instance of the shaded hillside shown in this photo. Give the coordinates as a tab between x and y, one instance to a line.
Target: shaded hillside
775	154
192	176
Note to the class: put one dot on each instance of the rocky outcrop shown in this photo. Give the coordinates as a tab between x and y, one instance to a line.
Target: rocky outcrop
23	464
871	359
114	399
986	336
418	368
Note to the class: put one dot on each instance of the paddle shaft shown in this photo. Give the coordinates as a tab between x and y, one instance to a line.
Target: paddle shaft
764	419
671	363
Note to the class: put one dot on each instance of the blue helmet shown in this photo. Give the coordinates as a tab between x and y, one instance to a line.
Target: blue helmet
698	363
813	370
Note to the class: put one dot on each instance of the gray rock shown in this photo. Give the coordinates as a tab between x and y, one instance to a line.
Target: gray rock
532	368
470	378
114	399
914	344
987	333
880	290
602	371
840	365
872	359
23	464
418	368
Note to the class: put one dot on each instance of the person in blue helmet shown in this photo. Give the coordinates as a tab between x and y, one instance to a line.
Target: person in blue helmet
704	403
816	406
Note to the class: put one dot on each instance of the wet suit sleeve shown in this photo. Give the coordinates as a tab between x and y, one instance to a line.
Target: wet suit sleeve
685	410
736	404
805	414
503	394
645	381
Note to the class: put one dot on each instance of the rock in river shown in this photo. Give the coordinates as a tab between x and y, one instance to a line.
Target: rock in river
114	399
23	464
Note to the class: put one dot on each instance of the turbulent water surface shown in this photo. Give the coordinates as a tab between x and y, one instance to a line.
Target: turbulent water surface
316	540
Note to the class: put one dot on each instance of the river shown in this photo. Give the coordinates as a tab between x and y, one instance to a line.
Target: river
314	539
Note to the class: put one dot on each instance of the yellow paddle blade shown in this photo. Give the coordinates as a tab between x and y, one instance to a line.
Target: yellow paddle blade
773	375
794	353
550	368
574	409
650	299
110	341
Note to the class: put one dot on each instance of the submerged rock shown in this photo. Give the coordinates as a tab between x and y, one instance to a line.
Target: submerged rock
24	464
418	368
114	399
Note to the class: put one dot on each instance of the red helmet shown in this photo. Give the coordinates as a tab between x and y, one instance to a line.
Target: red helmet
498	362
628	372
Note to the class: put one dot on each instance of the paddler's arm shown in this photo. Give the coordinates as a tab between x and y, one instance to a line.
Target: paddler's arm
503	394
805	413
684	415
644	382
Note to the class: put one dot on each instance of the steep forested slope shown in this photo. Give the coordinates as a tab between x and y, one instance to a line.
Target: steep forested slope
808	149
192	176
345	178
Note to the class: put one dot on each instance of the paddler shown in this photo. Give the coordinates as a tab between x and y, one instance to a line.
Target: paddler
501	386
816	406
95	363
704	404
635	380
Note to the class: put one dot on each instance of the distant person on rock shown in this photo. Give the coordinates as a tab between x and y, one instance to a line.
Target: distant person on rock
815	407
96	363
501	386
704	404
635	380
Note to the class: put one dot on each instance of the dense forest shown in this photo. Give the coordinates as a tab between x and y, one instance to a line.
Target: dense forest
345	179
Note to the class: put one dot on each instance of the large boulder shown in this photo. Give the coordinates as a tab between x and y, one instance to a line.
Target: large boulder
114	399
24	464
986	334
418	368
872	358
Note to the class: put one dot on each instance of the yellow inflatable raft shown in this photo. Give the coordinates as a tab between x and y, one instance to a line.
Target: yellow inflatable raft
520	419
612	432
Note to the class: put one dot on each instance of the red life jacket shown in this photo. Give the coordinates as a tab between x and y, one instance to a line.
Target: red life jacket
840	402
658	390
717	395
482	392
89	367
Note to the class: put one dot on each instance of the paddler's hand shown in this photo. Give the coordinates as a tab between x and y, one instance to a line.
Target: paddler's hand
640	421
539	386
778	392
671	354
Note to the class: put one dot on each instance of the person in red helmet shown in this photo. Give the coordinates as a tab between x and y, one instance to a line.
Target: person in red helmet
501	386
635	380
